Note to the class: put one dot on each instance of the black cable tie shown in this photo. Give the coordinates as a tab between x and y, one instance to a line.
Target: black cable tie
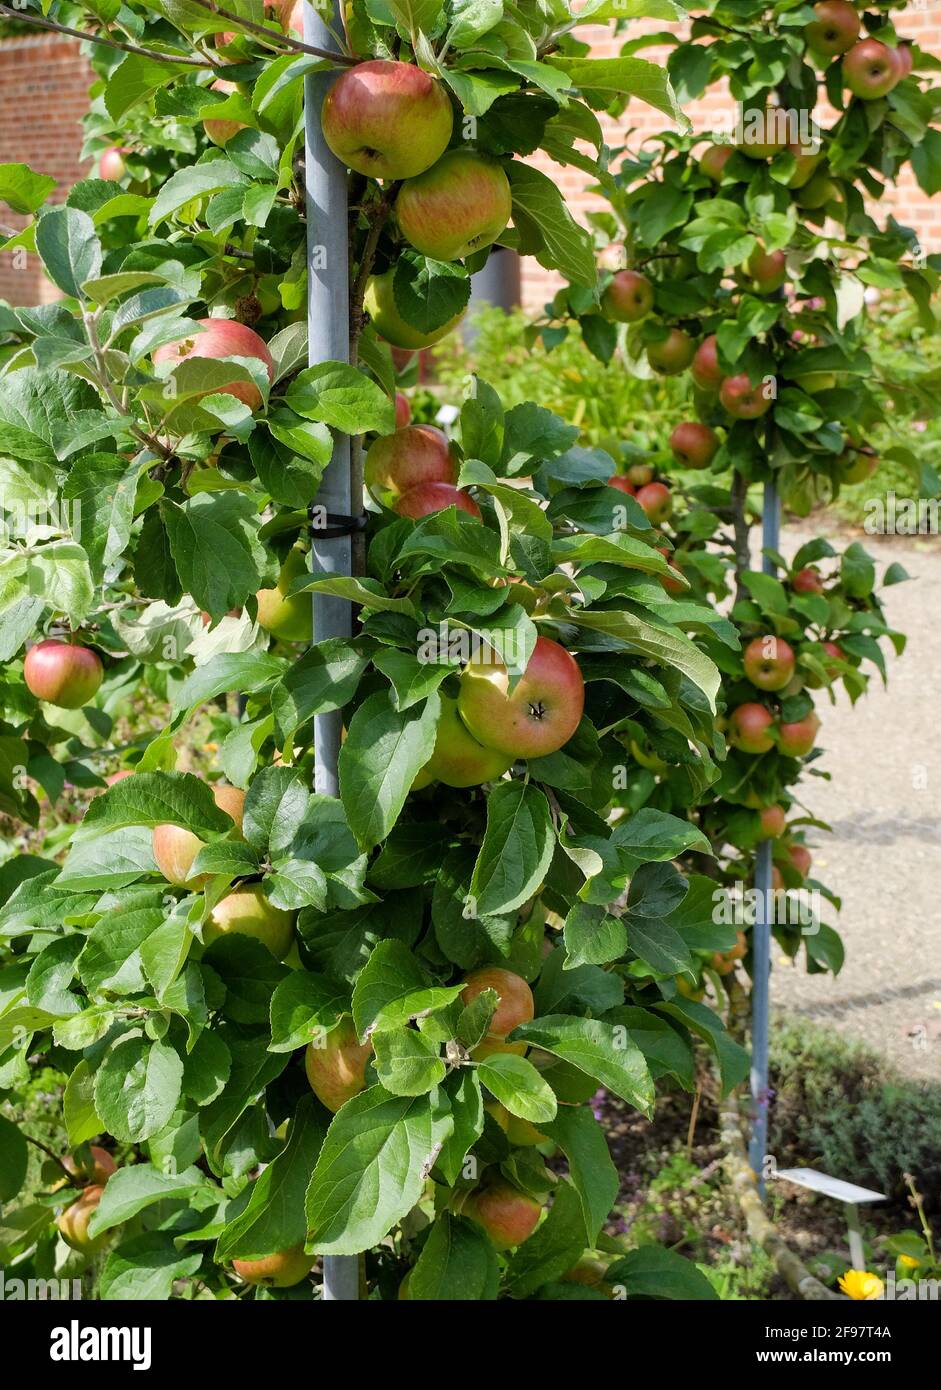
337	525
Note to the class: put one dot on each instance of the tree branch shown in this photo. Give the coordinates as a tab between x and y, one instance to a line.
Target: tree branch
41	23
274	36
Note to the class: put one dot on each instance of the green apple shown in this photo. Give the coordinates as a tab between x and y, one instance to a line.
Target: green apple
379	303
285	615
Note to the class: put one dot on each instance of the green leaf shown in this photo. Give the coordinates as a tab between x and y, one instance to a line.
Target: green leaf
22	189
244	671
567	247
599	1049
517	849
69	246
457	1263
145	1268
157	798
343	397
407	1062
216	549
193	181
518	1086
137	1088
594	1176
593	936
14	1160
663	645
393	988
105	487
136	78
82	1121
384	751
303	1005
429	294
655	1272
137	1186
553	1247
324	679
734	1061
622	77
372	1168
112	860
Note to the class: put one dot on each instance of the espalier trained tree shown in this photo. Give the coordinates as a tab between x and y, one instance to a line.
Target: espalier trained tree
749	253
326	1025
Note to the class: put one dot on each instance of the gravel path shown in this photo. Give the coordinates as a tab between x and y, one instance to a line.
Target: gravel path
884	856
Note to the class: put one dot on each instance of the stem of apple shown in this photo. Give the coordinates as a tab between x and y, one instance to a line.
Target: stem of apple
328	339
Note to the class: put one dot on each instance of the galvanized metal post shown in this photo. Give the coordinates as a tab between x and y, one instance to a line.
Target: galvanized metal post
328	339
761	934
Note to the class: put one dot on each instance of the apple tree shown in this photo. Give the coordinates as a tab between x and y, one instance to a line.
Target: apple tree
318	1025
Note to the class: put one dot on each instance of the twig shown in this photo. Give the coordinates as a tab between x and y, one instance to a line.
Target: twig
693	1117
379	216
72	1178
274	36
22	18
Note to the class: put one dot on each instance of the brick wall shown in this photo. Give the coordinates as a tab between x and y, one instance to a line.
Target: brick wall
44	85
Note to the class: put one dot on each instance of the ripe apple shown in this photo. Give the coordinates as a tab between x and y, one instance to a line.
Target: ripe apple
628	297
287	616
742	400
622	484
807	581
657	502
411	456
515	1004
247	912
777	879
905	59
836	653
768	270
218	129
292	15
336	1070
462	203
705	369
379	303
672	354
769	663
425	498
772	822
62	673
175	849
280	1271
403	409
764	132
713	160
748	728
640	474
111	164
818	191
73	1222
835	28
672	586
97	1171
508	1215
870	69
694	445
387	120
806	164
798	738
458	759
539	716
800	858
223	338
857	464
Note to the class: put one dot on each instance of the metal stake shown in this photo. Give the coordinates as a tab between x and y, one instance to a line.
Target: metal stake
328	340
761	935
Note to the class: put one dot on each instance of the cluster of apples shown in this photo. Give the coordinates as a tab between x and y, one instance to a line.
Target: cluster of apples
652	494
770	665
73	1220
870	68
415	469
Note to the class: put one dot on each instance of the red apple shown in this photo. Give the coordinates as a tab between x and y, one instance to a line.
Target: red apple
403	409
628	297
223	338
462	203
62	673
694	445
111	164
807	581
336	1065
777	879
280	1271
905	59
73	1222
657	502
772	822
386	119
97	1171
540	714
515	1004
218	129
742	400
672	586
714	159
748	728
835	28
769	663
671	354
622	484
175	849
508	1215
800	858
834	650
768	270
425	498
705	369
798	738
870	69
411	456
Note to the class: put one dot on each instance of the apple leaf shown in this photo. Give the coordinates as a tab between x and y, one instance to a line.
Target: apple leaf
592	936
14	1159
157	798
324	679
566	246
655	1272
601	1050
22	189
137	1186
428	293
408	1063
216	549
112	860
343	397
517	849
553	1247
70	250
457	1262
137	1088
518	1086
145	1268
372	1168
592	1173
384	751
392	989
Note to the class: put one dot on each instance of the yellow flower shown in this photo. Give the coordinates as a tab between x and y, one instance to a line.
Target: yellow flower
861	1285
908	1262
